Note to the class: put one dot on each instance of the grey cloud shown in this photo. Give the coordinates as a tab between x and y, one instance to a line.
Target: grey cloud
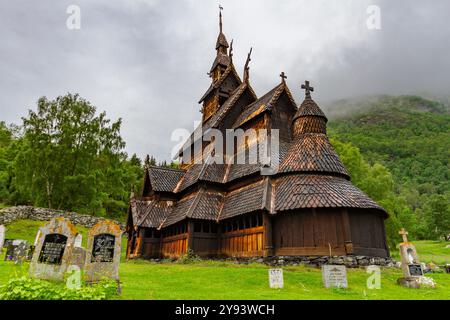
146	61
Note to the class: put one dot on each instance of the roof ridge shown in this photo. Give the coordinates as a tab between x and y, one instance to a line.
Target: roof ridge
194	203
165	168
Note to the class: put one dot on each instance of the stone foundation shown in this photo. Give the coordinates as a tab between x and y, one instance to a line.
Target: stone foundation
8	215
314	261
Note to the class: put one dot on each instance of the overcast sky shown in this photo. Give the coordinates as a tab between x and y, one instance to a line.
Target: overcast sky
145	61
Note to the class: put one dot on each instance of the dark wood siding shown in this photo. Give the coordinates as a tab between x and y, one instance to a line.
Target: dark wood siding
309	232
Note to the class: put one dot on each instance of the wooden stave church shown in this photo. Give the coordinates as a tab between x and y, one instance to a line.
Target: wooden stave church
310	207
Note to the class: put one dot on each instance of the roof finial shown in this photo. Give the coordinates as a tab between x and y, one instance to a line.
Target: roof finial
147	161
283	77
230	53
308	89
246	67
220	17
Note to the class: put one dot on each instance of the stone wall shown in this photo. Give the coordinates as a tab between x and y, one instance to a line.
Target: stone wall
8	215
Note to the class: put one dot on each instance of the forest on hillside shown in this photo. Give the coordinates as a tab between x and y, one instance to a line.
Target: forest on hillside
66	155
410	137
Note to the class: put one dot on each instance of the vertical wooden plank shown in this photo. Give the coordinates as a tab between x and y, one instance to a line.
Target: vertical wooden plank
268	235
308	229
346	228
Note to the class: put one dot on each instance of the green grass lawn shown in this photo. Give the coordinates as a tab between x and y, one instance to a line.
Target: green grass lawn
227	280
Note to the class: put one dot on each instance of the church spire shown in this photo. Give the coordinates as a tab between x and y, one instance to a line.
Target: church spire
309	118
222	43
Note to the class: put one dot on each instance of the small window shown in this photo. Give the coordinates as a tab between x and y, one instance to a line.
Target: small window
213	227
206	227
235	225
197	227
241	224
254	222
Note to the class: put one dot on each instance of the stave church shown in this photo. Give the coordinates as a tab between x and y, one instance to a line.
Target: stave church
307	207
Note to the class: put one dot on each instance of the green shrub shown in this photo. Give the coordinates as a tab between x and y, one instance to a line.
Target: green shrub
188	257
25	288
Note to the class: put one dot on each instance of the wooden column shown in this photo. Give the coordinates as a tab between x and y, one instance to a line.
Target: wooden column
138	248
268	235
190	229
347	232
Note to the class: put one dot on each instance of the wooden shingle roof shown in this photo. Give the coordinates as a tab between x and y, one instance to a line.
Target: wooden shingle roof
263	104
150	214
312	152
164	179
319	191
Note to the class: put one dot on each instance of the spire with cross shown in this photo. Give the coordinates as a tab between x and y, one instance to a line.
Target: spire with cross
404	234
283	77
308	89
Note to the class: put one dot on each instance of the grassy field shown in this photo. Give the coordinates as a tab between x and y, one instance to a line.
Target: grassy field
227	280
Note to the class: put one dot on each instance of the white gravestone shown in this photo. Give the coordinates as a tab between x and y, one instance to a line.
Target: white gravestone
2	236
334	276
78	240
276	280
54	249
38	234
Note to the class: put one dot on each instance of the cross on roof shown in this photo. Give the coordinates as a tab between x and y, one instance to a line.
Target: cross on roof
283	77
308	89
403	233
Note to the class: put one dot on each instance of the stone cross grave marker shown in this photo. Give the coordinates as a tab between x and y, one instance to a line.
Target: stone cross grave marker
53	251
276	280
103	251
412	268
334	276
2	236
411	265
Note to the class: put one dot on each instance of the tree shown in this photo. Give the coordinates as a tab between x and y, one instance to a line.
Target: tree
71	158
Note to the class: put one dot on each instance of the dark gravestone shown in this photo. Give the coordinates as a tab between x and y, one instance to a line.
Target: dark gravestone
103	248
53	248
103	251
16	249
9	250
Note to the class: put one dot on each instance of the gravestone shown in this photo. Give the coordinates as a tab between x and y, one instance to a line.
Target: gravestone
16	250
276	280
2	236
412	268
78	240
53	250
103	251
334	276
21	252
